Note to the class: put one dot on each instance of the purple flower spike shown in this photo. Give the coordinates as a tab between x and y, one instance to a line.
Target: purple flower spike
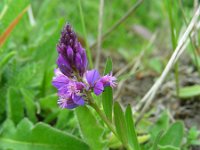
72	79
72	57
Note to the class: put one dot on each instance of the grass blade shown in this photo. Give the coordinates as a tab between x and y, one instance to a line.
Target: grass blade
108	67
189	91
120	124
6	59
7	32
131	132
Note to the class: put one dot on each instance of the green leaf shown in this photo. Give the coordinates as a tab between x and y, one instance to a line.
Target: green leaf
38	137
155	144
120	123
131	132
173	136
15	108
161	124
28	76
90	129
63	117
108	67
107	95
49	102
29	104
51	117
189	91
107	102
6	59
168	147
3	104
49	57
114	142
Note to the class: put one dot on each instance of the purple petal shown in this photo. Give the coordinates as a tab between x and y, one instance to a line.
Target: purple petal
64	65
60	79
92	76
98	88
63	91
66	103
61	48
109	80
80	86
78	100
70	53
71	104
78	61
79	48
85	62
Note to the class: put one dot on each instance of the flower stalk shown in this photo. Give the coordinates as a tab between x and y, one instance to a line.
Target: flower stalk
102	115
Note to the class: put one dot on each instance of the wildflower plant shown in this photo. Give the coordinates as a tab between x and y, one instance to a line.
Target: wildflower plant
76	85
72	79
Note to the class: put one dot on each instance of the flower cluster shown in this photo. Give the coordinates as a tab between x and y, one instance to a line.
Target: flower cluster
72	79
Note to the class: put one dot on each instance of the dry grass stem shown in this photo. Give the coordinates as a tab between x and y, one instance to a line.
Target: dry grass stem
182	44
31	17
135	65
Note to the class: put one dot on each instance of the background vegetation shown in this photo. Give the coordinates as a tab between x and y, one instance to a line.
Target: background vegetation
141	44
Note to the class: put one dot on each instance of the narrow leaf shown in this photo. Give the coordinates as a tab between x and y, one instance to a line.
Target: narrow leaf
29	104
15	108
107	96
168	147
107	102
189	91
131	132
120	123
90	129
6	59
108	67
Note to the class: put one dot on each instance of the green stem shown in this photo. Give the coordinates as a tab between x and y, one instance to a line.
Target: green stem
174	43
101	114
107	122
